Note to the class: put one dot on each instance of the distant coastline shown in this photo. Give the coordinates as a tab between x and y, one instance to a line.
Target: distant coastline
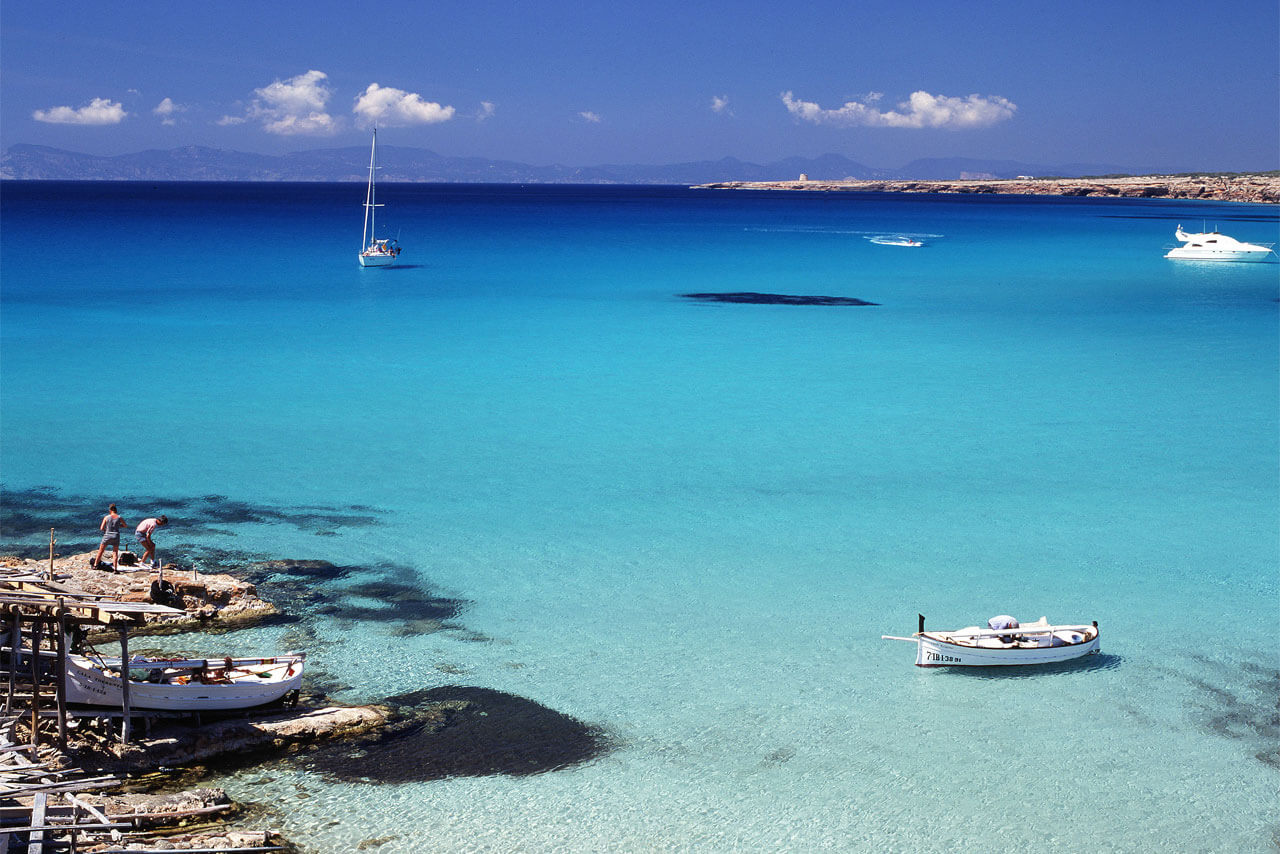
1252	188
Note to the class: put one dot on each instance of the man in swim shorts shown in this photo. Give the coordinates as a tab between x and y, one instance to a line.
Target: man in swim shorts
143	536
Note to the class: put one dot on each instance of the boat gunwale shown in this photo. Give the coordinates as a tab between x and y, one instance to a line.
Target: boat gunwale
932	636
88	678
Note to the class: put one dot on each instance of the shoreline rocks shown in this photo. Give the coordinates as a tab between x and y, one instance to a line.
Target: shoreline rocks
212	601
1253	189
427	734
173	744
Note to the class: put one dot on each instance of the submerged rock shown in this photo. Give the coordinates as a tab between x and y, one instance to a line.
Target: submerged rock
455	731
150	809
178	744
776	299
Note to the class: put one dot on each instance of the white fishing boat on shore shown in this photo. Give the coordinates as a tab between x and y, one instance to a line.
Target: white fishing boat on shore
1005	641
185	685
375	251
1212	246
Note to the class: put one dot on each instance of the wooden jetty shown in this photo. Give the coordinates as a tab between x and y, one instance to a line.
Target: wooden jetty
39	619
42	804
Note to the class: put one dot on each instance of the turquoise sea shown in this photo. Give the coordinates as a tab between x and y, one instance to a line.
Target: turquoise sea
686	525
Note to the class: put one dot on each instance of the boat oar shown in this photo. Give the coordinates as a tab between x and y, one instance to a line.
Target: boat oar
912	640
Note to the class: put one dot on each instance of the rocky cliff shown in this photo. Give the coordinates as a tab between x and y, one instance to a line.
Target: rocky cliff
1264	189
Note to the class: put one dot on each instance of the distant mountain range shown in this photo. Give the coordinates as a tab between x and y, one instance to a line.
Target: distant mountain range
418	165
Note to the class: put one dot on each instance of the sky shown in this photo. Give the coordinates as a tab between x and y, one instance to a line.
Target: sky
1168	86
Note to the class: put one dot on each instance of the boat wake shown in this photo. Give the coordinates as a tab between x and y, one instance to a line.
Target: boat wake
818	229
896	240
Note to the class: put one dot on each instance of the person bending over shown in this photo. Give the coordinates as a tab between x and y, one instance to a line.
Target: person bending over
144	534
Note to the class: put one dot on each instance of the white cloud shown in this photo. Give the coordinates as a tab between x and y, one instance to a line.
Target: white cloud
590	117
720	104
227	121
389	106
487	109
921	110
99	111
166	109
295	106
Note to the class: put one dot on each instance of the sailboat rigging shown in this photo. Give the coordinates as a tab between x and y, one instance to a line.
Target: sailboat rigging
375	251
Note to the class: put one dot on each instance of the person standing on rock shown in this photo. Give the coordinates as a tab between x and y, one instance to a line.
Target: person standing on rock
110	528
143	536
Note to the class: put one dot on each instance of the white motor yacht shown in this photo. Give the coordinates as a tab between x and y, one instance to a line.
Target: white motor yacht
1212	246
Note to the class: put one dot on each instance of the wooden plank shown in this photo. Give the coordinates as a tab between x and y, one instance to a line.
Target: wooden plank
67	786
88	807
45	828
36	845
76	598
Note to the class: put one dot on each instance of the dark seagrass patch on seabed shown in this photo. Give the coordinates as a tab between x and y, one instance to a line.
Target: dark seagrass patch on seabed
461	731
1239	701
26	515
753	298
378	593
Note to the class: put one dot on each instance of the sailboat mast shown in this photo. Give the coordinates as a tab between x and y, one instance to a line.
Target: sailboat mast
369	198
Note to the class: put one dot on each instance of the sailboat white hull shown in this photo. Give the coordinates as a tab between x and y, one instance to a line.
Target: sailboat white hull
380	260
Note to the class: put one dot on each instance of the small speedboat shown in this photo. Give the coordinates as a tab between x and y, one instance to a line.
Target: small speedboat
896	241
1212	246
1005	641
187	685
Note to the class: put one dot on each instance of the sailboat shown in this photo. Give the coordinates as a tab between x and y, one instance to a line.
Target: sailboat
375	251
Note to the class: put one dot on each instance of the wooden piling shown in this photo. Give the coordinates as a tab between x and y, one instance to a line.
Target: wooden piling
15	643
61	689
37	629
126	729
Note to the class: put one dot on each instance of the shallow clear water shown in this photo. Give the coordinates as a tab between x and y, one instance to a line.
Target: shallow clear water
690	523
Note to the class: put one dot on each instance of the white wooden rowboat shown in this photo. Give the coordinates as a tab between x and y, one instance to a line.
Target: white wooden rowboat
187	685
1028	643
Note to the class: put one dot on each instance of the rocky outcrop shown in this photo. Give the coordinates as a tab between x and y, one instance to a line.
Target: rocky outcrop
211	601
180	745
1258	189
